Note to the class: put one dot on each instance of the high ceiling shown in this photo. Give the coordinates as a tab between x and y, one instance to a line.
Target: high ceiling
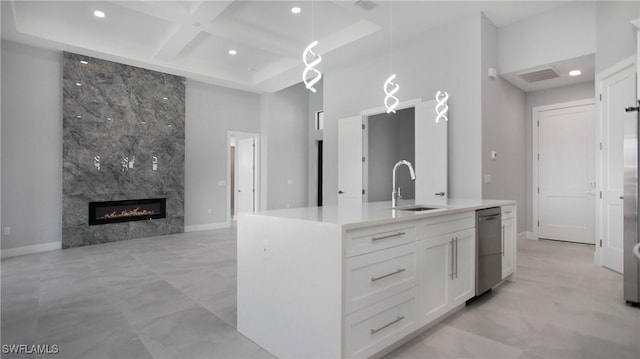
193	38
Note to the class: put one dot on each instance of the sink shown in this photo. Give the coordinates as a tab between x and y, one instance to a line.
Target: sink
415	208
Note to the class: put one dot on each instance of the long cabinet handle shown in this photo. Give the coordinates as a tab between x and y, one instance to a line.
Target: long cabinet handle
456	257
503	240
400	270
399	234
452	259
398	318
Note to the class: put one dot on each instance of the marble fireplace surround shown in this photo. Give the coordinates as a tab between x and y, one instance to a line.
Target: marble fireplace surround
123	139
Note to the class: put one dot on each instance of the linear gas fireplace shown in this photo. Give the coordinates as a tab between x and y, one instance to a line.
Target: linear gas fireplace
127	210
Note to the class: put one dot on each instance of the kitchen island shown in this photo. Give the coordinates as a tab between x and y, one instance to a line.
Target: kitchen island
355	282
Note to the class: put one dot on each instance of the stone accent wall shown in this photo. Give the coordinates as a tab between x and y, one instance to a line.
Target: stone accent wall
117	111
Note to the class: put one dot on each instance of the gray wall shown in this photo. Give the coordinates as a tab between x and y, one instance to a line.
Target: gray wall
420	73
616	37
391	138
1	226
542	98
561	33
31	145
285	126
502	130
211	111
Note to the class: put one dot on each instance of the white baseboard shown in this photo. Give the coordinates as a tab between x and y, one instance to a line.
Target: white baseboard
206	227
531	235
37	248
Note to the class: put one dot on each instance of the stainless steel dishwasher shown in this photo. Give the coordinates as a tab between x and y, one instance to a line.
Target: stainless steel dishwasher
488	249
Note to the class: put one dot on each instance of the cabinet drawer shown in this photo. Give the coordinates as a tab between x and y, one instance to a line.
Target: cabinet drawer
437	226
365	240
379	275
374	328
507	211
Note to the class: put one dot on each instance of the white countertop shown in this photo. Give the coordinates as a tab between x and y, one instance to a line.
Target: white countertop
376	213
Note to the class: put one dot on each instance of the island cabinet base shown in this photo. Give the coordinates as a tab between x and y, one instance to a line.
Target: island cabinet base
290	286
311	289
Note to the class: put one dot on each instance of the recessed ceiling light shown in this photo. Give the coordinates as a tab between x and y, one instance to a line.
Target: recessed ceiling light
78	84
109	119
296	10
83	62
79	116
233	52
165	98
99	14
575	73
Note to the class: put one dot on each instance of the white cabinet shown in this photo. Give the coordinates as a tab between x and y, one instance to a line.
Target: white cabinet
508	241
447	274
435	272
328	290
463	281
374	328
401	277
378	275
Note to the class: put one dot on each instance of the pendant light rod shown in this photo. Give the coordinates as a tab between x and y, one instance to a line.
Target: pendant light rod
311	59
390	88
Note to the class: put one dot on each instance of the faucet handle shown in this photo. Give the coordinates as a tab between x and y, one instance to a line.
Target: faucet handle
399	194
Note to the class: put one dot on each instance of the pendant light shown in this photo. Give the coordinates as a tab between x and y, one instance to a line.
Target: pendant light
390	88
310	67
442	97
311	59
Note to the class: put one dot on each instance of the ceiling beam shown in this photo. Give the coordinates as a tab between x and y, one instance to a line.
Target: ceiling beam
255	37
200	13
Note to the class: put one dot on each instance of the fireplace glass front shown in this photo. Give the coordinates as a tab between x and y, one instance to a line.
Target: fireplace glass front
126	210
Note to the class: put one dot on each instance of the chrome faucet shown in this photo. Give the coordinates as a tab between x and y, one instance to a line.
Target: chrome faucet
396	191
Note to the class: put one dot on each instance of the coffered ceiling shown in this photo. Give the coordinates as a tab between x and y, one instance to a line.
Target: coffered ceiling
193	38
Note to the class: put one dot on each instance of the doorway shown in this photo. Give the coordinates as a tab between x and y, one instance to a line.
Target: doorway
319	171
564	172
243	173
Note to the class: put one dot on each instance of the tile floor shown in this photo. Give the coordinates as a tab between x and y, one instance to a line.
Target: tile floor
174	297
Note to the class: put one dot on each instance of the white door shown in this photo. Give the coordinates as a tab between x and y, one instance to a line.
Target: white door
431	154
618	92
350	162
566	174
245	196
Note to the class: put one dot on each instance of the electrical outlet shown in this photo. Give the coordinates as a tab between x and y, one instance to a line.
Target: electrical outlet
487	178
7	230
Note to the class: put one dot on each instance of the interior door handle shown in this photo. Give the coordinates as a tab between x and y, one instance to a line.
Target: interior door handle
441	194
340	192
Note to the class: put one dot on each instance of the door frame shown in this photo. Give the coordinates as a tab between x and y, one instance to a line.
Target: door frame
256	172
535	151
600	76
365	137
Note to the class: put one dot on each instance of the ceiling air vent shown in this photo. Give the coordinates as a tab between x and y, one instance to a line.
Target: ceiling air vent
539	74
367	5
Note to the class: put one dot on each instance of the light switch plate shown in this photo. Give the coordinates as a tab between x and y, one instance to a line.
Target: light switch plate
487	178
